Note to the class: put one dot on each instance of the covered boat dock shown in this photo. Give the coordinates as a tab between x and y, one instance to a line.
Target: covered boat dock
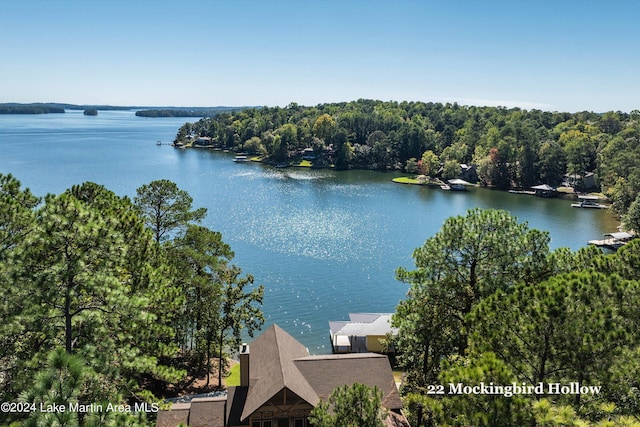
613	240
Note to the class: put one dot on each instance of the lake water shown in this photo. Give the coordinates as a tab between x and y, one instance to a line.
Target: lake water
323	243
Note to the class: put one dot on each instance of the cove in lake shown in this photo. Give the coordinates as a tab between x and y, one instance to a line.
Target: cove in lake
323	243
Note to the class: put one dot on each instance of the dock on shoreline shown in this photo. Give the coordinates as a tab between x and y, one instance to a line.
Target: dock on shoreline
613	240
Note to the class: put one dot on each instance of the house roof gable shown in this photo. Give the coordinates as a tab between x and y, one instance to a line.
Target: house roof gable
272	369
278	361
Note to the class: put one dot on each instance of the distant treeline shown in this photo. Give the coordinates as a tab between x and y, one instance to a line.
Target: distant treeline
144	111
52	107
192	112
29	109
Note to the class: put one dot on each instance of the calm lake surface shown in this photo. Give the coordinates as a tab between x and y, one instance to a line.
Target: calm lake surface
323	243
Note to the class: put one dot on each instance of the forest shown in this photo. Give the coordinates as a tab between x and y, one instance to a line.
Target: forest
511	147
490	304
108	300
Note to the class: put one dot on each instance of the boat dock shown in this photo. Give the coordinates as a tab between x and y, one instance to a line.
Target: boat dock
455	185
589	202
613	240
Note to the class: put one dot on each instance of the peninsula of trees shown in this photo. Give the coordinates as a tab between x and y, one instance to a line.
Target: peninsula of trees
511	147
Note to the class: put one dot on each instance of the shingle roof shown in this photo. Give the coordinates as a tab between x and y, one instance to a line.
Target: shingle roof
279	361
272	368
327	372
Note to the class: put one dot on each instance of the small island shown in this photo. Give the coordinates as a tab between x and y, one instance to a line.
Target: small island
90	112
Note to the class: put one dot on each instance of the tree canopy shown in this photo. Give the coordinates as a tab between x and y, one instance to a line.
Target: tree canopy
165	208
116	307
355	405
490	304
470	258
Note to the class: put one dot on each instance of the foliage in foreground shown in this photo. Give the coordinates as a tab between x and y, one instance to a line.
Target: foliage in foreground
350	406
117	300
489	303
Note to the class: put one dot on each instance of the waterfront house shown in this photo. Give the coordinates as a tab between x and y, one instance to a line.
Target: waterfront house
280	383
364	332
307	154
584	182
468	172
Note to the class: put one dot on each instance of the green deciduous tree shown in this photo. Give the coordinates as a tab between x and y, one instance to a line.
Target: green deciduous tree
350	406
324	126
551	164
631	219
286	141
411	166
494	169
580	149
430	164
451	169
342	148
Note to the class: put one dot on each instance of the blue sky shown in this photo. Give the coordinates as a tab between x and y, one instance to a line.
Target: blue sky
551	55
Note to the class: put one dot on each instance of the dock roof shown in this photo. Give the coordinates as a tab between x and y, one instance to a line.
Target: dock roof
621	235
364	324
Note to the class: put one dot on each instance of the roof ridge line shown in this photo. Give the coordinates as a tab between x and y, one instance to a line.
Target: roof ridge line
280	364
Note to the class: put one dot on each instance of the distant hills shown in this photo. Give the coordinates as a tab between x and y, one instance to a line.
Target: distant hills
143	111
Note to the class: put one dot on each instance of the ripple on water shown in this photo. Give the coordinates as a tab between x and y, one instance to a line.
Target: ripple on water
320	234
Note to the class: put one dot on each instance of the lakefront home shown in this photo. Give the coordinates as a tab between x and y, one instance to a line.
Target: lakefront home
280	383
